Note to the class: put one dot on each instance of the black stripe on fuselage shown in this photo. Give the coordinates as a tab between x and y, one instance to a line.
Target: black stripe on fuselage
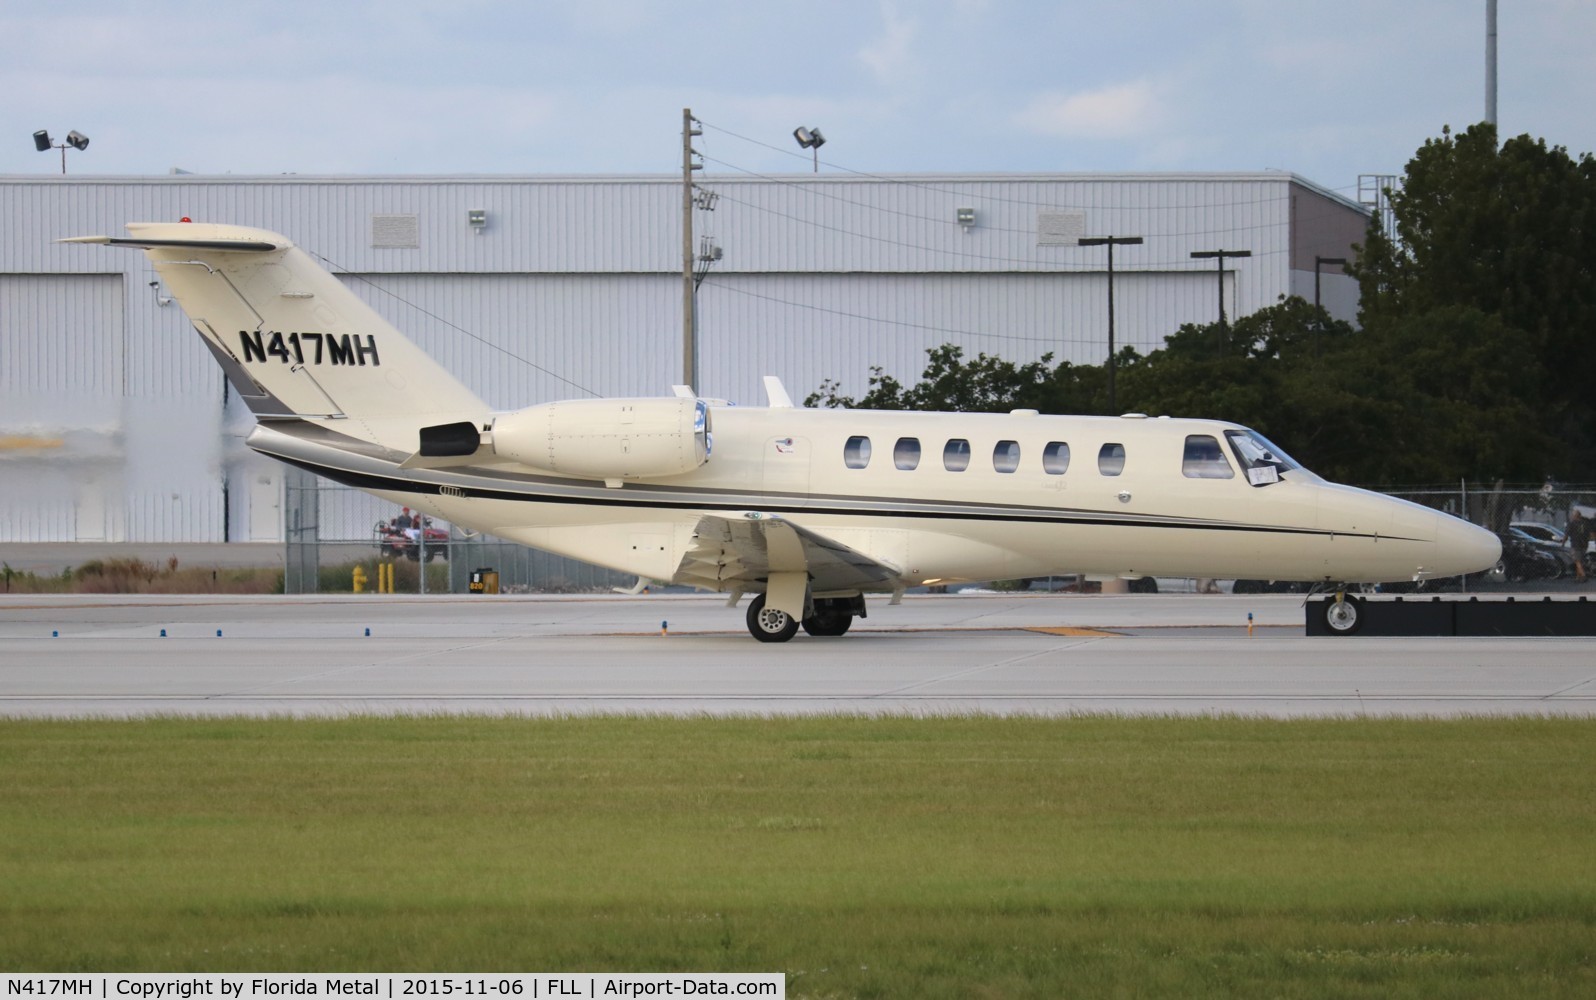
393	484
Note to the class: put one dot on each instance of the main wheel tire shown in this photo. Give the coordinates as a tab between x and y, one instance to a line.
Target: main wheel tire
768	624
1343	617
828	623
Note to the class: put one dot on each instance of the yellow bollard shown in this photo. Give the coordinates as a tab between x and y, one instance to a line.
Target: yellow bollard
360	579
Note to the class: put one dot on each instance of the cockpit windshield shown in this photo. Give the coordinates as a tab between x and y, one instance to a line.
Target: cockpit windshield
1263	459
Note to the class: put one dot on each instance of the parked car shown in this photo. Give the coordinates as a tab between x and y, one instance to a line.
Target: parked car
392	543
1542	532
1523	559
1557	550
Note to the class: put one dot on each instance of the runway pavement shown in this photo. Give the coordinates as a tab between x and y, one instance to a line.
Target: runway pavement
92	655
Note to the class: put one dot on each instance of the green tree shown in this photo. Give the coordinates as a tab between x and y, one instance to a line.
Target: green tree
1510	233
986	385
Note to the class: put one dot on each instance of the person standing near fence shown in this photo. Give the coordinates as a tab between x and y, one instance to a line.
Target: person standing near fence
1579	541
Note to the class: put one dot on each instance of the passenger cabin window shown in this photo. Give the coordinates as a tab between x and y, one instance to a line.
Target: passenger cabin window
1205	459
906	454
1006	456
1111	459
1056	458
856	453
956	455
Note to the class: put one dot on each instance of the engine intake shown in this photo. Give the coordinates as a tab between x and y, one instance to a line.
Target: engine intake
608	438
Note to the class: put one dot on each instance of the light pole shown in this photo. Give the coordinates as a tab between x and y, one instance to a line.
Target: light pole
1318	310
77	140
1110	242
1220	255
811	139
1318	262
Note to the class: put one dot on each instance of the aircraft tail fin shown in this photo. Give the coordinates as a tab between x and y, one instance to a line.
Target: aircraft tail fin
292	339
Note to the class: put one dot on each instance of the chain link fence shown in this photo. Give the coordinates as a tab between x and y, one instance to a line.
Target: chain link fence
331	529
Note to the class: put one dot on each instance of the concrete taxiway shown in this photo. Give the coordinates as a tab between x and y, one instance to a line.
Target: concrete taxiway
91	655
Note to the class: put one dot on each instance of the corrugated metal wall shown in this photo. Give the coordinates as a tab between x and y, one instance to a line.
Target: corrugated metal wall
573	287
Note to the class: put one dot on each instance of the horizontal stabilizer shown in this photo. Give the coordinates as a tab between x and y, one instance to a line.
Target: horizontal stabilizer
242	246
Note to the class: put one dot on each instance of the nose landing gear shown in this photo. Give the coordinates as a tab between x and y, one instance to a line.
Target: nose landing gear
1344	615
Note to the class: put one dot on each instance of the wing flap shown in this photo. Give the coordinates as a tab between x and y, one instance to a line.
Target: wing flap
741	551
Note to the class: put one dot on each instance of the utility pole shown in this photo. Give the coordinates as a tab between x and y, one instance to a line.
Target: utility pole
689	320
1490	61
1110	242
1220	256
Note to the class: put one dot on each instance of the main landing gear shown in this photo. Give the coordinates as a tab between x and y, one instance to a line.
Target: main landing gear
828	616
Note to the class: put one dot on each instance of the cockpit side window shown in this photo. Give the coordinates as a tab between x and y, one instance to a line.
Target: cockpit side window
1204	459
1263	461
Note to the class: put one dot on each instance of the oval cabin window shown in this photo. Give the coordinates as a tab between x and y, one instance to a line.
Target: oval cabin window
956	455
906	454
1111	459
856	453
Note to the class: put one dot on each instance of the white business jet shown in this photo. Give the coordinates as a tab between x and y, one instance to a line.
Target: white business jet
808	510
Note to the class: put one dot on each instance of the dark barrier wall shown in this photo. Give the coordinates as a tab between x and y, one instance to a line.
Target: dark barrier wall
1474	616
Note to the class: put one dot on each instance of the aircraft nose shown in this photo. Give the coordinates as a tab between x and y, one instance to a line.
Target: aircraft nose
1461	547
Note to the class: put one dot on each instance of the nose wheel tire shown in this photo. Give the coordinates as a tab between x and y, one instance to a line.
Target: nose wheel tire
768	624
1343	616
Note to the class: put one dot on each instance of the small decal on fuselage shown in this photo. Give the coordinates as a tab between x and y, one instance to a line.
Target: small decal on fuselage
308	348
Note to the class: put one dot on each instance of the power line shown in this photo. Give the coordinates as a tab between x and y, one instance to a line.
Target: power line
453	326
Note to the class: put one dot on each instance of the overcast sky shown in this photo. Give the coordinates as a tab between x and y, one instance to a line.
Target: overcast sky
1327	90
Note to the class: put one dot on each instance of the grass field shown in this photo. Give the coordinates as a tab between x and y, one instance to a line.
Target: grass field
959	857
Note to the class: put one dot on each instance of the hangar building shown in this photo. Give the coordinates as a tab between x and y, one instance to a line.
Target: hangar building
116	425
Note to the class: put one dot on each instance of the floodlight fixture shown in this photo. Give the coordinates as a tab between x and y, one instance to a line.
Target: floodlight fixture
812	140
77	140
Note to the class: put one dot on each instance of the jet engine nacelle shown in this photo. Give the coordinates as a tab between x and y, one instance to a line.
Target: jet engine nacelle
608	439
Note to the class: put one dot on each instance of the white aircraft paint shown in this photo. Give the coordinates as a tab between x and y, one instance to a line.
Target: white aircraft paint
808	509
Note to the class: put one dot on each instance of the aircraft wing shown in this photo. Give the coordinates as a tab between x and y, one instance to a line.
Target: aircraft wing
744	551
